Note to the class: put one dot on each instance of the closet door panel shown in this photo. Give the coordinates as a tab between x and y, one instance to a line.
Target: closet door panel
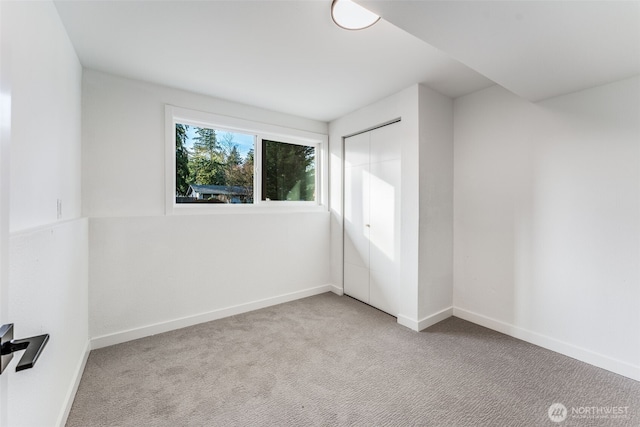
356	150
356	282
385	144
356	216
383	291
384	235
372	218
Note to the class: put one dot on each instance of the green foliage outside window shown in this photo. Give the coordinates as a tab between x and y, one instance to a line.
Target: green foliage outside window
211	161
182	160
288	171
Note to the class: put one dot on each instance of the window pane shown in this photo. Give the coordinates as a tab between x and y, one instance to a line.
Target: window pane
213	166
288	171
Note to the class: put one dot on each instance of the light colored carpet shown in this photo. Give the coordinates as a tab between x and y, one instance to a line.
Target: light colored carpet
333	361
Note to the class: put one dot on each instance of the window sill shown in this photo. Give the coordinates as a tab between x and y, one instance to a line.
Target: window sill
235	209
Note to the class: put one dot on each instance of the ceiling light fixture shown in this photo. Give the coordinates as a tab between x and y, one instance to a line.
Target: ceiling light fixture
351	16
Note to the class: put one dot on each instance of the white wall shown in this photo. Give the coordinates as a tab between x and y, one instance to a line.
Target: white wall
45	148
123	131
402	105
150	272
48	295
435	296
426	247
547	220
47	290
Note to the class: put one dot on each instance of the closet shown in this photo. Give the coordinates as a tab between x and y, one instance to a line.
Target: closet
372	217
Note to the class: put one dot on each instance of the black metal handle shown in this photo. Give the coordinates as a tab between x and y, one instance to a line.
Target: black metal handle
33	348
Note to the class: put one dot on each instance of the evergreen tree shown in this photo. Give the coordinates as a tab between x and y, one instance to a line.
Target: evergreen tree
240	172
182	160
247	174
207	164
233	158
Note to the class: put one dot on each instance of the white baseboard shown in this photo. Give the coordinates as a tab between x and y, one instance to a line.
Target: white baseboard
170	325
425	322
337	290
408	322
71	393
617	366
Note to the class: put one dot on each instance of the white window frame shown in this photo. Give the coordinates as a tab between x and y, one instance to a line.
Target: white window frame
174	115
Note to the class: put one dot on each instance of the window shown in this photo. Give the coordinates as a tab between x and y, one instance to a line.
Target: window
213	165
216	162
288	171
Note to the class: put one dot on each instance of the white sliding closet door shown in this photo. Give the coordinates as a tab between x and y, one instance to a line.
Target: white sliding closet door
356	217
372	218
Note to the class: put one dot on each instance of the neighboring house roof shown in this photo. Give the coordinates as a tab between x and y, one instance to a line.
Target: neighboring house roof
227	190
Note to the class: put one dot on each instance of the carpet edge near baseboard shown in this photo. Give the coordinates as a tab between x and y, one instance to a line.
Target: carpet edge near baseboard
183	322
571	350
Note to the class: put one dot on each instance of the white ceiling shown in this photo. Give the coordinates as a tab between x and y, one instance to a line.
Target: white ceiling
288	56
536	49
